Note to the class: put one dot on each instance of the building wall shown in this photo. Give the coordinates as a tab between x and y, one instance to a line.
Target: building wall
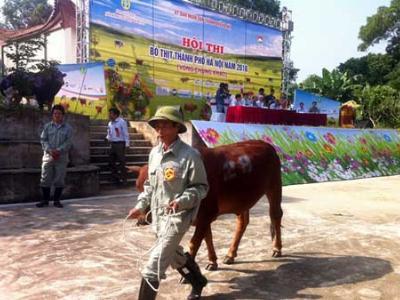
61	46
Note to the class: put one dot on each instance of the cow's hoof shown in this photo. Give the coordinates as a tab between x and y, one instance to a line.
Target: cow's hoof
229	260
212	267
276	253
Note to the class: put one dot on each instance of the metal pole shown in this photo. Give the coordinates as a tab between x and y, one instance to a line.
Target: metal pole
45	48
2	61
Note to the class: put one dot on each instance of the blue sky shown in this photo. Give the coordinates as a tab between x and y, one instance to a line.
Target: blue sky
326	32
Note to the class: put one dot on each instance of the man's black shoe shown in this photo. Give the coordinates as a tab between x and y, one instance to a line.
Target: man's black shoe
58	204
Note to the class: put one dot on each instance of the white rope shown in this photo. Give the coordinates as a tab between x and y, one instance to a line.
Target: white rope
169	213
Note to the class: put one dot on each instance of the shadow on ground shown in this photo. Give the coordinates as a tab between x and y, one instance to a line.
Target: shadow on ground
23	220
302	271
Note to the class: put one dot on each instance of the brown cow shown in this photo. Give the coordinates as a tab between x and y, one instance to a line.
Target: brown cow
239	175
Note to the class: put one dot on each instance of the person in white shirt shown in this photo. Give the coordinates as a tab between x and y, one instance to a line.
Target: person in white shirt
236	101
118	137
301	108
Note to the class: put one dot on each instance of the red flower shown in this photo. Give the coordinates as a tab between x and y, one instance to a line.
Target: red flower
210	135
330	138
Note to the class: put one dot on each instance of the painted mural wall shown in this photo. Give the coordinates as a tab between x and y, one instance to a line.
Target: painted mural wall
84	90
316	154
159	52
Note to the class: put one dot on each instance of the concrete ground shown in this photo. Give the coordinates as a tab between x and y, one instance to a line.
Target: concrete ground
341	241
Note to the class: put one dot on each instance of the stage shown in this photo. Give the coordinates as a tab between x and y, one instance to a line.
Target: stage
316	154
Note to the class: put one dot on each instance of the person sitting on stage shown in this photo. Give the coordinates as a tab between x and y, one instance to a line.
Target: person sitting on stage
270	99
301	108
261	97
257	102
314	109
247	100
276	104
284	102
237	101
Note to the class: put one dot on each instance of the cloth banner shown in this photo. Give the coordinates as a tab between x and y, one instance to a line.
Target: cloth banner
316	154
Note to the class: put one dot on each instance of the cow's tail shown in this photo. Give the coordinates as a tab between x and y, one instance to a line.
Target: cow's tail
274	195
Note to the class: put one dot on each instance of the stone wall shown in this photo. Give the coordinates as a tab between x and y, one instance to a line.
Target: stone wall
21	156
20	134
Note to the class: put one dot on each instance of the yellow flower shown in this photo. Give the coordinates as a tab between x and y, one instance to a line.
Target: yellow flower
309	153
328	148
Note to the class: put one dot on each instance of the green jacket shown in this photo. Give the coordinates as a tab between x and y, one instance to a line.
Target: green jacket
176	174
56	137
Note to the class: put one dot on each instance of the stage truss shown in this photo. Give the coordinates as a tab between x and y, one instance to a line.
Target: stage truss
82	31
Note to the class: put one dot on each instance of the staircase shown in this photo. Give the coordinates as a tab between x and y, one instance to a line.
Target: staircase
137	154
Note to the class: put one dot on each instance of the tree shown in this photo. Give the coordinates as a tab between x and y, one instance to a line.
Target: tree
269	7
383	25
373	69
21	14
334	85
381	104
23	55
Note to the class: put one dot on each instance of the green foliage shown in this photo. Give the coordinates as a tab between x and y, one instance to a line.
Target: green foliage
394	78
381	104
23	55
335	85
21	14
269	7
383	25
373	69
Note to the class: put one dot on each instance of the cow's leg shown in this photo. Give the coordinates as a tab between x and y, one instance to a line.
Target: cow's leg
202	228
242	221
274	195
212	256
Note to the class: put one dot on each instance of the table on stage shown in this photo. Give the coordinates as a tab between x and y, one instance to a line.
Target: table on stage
256	115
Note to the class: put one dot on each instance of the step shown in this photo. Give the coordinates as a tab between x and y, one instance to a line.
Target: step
94	159
106	176
130	150
102	135
107	183
133	143
104	129
104	166
98	122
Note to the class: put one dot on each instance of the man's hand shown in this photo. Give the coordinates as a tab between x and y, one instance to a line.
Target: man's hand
135	213
55	154
173	206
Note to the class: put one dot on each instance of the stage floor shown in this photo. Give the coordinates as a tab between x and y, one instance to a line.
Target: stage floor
336	245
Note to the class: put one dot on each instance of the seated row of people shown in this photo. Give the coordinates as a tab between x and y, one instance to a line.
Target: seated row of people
258	101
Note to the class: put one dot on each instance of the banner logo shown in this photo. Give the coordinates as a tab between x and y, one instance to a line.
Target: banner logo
126	4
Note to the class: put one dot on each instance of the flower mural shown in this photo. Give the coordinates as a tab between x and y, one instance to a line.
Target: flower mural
210	135
310	136
330	138
312	154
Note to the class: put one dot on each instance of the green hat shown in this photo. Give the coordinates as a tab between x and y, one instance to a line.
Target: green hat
170	113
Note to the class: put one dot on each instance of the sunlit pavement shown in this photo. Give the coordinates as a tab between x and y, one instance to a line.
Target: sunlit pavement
340	241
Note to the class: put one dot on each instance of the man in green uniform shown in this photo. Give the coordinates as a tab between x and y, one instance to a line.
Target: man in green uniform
56	141
177	183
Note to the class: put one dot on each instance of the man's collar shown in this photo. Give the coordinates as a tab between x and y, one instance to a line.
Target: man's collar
174	147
